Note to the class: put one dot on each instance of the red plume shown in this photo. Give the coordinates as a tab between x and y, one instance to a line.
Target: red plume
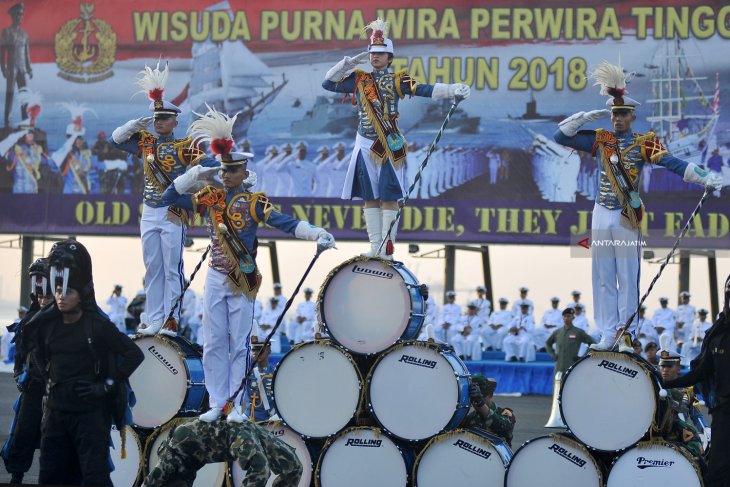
221	146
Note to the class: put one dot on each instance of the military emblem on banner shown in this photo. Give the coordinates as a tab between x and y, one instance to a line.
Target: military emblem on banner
85	48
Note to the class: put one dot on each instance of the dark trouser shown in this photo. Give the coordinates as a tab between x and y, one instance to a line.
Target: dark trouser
13	79
75	442
27	433
718	465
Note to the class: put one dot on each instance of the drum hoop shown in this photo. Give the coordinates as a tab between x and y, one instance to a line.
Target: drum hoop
652	444
361	401
325	284
449	434
126	431
378	432
645	367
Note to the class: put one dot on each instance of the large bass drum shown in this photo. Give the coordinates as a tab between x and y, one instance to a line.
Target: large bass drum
554	461
464	458
363	457
418	389
655	463
169	382
128	469
609	400
317	388
291	438
368	305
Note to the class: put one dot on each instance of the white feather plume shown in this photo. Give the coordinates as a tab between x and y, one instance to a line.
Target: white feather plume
153	79
610	76
213	125
665	341
76	109
378	24
29	97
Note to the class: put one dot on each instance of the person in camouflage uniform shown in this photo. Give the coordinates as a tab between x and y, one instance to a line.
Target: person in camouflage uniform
194	443
484	413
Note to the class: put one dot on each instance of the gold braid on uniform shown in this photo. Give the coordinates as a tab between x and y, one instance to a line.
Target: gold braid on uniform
403	78
146	145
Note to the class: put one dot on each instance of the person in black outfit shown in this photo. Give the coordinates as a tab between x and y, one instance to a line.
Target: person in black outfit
25	435
711	372
86	362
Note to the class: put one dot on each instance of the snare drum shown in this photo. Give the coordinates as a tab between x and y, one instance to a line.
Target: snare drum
554	461
317	388
288	436
367	305
126	470
418	389
609	401
655	463
467	458
211	475
168	383
362	457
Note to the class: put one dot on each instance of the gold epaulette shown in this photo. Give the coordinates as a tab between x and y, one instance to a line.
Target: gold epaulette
652	149
266	206
403	78
146	137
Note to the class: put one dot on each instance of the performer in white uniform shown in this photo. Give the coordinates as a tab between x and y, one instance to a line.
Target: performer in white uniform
233	279
665	321
497	326
551	320
301	327
686	314
117	308
377	165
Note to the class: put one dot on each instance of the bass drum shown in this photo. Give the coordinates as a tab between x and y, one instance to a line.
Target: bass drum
554	461
655	463
317	388
128	469
279	430
418	389
363	457
169	382
367	305
609	401
464	458
211	475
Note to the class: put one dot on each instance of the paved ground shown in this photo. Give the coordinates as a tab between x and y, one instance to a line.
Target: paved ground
531	411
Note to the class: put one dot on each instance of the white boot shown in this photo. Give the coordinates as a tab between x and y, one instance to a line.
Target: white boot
149	329
606	344
212	415
374	222
236	415
387	251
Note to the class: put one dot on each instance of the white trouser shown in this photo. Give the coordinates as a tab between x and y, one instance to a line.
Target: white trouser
227	327
118	320
162	246
540	335
613	265
468	348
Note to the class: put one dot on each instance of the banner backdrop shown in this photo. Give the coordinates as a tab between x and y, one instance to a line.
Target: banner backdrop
496	175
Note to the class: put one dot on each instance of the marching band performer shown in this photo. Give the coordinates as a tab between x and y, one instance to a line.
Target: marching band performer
162	226
233	280
259	387
618	209
377	164
73	159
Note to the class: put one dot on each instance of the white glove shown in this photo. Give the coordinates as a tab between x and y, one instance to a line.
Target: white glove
570	125
126	131
343	68
305	231
459	89
442	91
326	240
695	174
194	179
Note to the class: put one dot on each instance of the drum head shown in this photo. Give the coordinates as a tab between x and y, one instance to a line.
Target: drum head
160	382
608	400
317	389
211	475
293	440
462	458
654	463
413	391
362	457
553	461
366	306
128	469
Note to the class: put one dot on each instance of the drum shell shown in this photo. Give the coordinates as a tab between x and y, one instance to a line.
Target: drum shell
407	455
563	454
150	451
608	421
357	345
316	389
639	473
163	370
460	375
464	436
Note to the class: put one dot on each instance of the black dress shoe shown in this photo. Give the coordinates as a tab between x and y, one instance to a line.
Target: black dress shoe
512	359
16	478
